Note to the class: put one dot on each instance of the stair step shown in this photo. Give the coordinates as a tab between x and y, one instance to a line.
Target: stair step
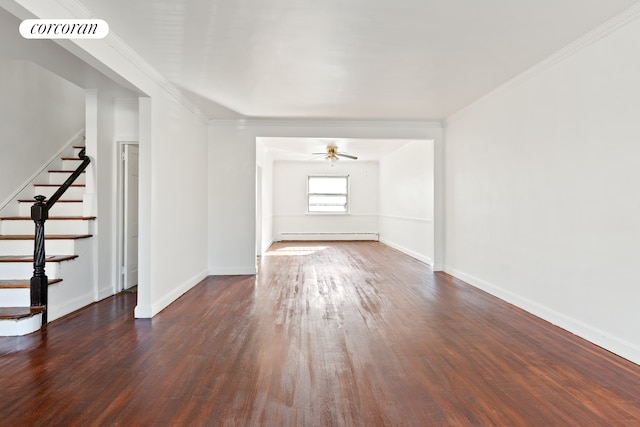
75	191
72	158
20	267
58	176
54	225
61	244
64	207
29	258
22	284
70	163
47	236
17	313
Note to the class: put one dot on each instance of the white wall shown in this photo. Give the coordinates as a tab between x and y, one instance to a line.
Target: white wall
179	200
542	192
232	160
406	197
106	218
173	167
116	120
39	114
126	119
264	159
290	200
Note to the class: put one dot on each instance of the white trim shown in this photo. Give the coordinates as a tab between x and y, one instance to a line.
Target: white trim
78	10
411	253
590	333
126	139
44	167
571	49
266	247
137	61
407	219
104	293
329	213
241	123
143	310
347	194
118	213
165	301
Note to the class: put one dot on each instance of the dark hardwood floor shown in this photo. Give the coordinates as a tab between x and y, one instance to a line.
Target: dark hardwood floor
328	334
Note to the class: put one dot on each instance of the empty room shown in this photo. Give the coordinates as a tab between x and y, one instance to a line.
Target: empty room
337	213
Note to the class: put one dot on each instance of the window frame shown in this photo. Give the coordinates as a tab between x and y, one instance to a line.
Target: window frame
347	194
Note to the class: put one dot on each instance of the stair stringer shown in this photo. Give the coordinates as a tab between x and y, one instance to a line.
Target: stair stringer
77	289
9	206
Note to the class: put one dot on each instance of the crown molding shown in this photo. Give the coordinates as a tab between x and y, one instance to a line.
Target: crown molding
257	122
561	55
78	10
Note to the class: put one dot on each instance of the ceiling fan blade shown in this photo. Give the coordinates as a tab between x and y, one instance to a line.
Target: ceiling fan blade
319	154
348	156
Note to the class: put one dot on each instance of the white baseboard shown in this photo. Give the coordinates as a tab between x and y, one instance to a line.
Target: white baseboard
143	311
411	253
164	302
104	293
233	271
56	312
327	236
590	333
266	247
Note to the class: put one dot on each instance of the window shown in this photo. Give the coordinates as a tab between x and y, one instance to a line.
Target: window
328	194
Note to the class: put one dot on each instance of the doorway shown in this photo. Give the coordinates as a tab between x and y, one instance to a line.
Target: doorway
128	216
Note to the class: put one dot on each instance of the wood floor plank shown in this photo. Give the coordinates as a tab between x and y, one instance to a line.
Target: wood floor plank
327	334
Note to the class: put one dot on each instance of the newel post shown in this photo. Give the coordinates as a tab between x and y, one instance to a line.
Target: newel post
39	281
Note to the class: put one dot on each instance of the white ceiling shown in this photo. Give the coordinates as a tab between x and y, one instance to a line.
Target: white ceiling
56	59
346	59
302	149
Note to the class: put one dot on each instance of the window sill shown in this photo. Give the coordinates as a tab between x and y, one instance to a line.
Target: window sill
328	213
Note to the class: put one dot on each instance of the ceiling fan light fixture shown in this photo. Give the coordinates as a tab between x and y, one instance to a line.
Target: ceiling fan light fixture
332	160
333	155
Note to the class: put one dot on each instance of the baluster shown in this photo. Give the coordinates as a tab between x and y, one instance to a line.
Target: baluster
39	281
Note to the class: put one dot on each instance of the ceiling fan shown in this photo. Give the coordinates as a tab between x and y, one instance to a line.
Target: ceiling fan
333	155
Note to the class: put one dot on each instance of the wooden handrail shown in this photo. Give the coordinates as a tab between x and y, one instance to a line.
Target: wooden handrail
39	214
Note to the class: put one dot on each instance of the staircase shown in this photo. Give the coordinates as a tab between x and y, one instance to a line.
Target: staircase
68	250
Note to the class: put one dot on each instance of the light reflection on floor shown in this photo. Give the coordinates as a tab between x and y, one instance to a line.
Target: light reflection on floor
296	251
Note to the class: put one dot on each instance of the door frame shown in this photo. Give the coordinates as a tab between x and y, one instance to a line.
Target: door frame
258	210
120	284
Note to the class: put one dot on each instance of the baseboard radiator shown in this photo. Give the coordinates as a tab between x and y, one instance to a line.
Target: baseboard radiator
284	236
